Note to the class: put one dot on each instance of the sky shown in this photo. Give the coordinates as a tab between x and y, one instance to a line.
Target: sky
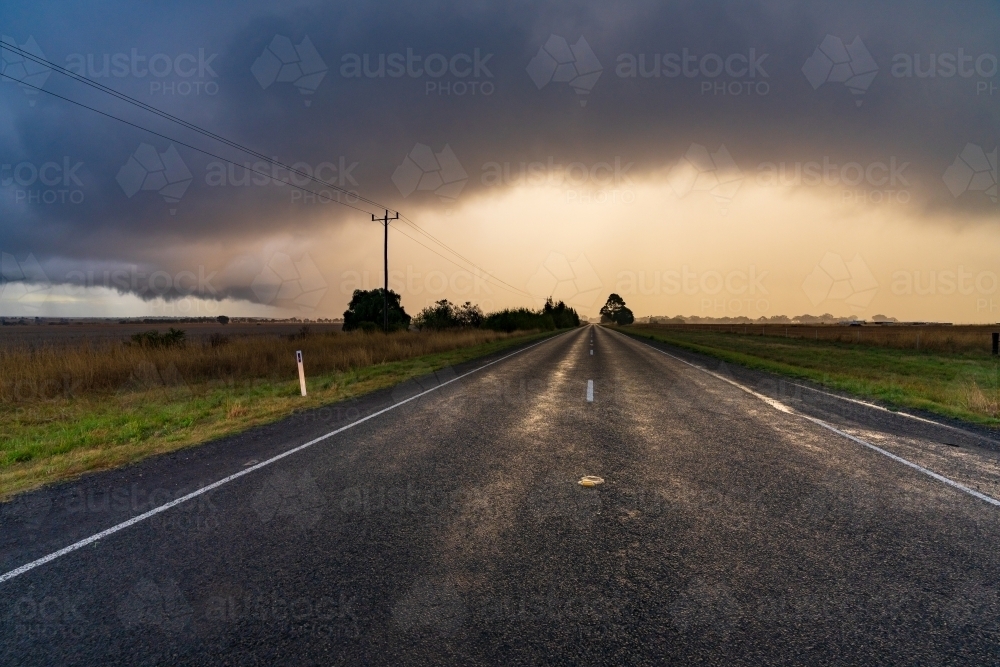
718	159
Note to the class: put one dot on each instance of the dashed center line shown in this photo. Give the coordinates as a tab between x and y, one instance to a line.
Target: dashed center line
590	391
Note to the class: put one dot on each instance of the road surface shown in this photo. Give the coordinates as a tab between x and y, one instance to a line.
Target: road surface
743	520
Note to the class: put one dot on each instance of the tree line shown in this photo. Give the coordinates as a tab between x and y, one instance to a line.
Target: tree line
366	312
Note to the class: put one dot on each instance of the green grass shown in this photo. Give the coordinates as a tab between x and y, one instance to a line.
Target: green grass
963	386
55	440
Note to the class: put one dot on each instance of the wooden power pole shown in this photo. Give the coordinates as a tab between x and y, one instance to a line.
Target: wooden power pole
385	293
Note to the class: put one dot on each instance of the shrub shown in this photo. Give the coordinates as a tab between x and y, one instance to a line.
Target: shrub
513	319
217	340
446	315
153	338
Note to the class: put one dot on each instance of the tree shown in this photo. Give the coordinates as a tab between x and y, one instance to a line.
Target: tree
367	306
222	319
615	311
611	307
469	315
563	316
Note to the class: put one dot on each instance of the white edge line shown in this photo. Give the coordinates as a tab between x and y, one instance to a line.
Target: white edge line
784	408
225	480
901	413
894	457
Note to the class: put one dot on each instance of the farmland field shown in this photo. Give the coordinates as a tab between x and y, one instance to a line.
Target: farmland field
945	370
77	331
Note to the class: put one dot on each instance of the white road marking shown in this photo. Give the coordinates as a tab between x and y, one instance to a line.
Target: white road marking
590	391
205	489
591	353
897	412
784	408
900	459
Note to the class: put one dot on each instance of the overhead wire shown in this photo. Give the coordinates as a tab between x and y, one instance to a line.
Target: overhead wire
187	124
229	142
238	146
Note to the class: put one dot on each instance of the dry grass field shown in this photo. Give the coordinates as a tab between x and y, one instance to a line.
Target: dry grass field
68	369
77	331
68	406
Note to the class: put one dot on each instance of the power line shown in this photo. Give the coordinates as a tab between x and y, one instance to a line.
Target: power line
229	142
442	244
515	291
181	143
297	187
187	124
245	149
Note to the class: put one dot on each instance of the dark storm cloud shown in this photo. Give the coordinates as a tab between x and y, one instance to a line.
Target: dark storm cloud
361	93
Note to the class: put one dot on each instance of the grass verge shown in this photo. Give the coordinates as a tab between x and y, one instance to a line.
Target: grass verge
47	441
963	386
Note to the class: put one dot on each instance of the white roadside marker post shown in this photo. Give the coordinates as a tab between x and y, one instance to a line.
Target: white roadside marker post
302	372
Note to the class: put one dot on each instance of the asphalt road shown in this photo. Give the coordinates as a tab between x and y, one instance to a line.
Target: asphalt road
733	528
